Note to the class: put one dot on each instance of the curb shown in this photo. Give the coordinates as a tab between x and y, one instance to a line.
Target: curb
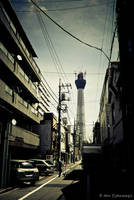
61	197
3	190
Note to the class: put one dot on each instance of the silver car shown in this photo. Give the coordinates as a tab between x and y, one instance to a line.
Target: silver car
43	166
24	171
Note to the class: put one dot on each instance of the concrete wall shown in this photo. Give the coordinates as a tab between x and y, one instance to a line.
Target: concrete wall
26	136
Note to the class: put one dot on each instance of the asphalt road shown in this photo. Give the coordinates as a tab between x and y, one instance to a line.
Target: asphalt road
77	184
47	188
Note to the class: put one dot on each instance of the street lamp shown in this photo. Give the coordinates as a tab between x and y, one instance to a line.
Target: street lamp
19	57
14	122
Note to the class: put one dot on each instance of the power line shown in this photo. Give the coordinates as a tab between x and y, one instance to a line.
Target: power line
64	1
100	59
71	73
51	48
56	100
64	9
70	34
47	38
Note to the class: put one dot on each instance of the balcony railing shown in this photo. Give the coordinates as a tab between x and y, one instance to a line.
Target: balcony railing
17	70
26	136
23	46
12	98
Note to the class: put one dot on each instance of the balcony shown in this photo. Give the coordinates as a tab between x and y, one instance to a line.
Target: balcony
24	137
11	34
15	69
17	103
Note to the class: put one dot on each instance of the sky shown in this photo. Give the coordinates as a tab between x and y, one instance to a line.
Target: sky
60	56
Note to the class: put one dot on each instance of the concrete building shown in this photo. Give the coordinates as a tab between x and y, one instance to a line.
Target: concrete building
103	119
111	118
44	104
116	131
115	122
125	34
48	135
68	142
20	99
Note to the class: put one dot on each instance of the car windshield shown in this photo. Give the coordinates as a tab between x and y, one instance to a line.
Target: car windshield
26	165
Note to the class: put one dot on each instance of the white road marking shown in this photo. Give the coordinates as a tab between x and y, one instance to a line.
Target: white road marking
25	196
37	188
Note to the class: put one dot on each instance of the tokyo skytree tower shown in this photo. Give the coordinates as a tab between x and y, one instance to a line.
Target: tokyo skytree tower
80	83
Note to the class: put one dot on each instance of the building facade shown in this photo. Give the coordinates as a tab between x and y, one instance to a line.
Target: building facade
96	133
111	118
126	45
20	99
48	135
103	111
44	104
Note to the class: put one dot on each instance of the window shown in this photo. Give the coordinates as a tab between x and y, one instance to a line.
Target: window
6	15
13	27
24	103
8	90
113	113
26	165
5	51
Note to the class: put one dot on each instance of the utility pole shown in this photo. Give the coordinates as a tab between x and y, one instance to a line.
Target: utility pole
59	121
61	107
74	141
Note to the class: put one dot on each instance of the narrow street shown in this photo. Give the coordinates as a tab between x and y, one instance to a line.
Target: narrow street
49	188
66	100
75	183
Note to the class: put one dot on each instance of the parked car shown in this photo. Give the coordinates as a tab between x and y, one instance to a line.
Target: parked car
50	163
24	171
43	166
54	166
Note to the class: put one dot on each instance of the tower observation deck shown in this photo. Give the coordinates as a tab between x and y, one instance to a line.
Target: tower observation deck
80	83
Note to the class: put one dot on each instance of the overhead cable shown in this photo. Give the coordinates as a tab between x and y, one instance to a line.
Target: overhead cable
71	73
51	47
66	8
56	100
89	45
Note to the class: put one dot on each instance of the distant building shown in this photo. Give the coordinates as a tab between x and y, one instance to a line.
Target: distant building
48	135
96	133
68	142
44	104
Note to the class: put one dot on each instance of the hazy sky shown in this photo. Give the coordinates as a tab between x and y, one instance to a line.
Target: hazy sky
92	21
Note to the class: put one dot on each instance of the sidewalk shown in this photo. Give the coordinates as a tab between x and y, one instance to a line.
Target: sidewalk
67	167
72	190
3	190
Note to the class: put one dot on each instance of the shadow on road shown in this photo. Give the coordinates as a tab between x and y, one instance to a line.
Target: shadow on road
74	190
98	185
74	175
